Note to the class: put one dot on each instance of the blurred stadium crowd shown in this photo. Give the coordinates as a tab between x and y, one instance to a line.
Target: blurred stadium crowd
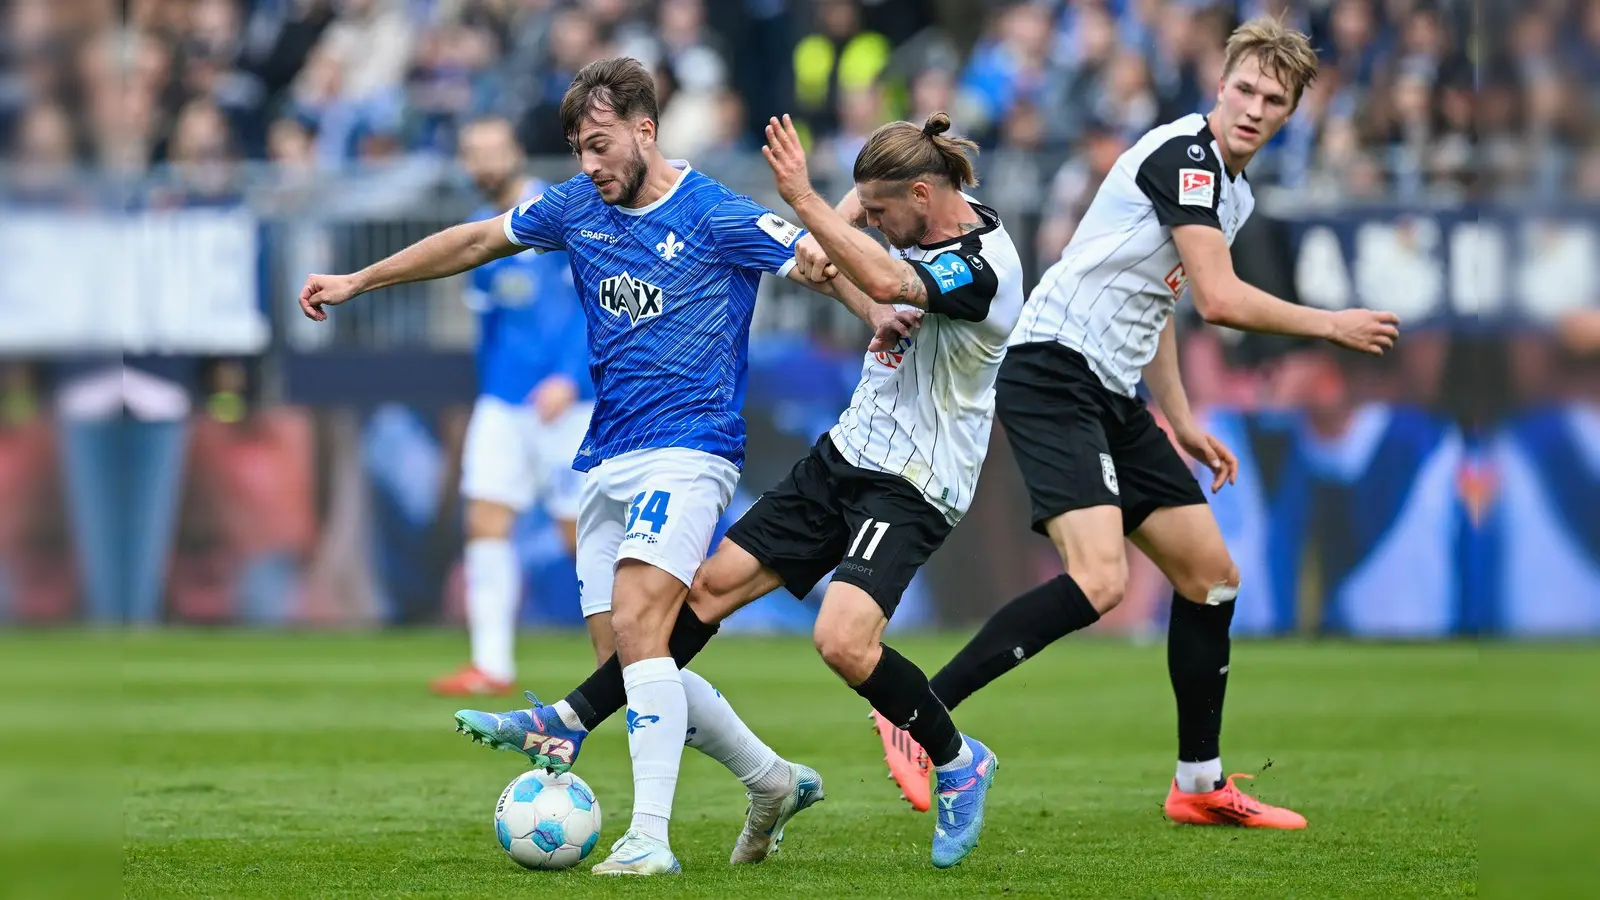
1446	164
1406	103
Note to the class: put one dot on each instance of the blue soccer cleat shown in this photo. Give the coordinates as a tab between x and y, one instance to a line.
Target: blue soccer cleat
959	798
537	733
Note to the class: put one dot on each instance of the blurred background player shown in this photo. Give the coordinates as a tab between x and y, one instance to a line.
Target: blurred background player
534	401
1096	465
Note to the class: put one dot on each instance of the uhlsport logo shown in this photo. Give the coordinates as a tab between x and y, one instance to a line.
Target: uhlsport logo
625	295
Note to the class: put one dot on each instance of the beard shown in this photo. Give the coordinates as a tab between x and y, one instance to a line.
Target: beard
633	176
493	186
913	236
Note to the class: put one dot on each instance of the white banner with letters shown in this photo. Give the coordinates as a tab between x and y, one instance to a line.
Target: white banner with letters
180	282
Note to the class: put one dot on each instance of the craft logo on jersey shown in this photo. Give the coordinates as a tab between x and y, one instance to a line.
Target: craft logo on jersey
669	247
625	295
1196	187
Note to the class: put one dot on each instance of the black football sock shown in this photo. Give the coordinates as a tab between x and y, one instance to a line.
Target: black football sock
603	694
898	689
1015	633
1197	661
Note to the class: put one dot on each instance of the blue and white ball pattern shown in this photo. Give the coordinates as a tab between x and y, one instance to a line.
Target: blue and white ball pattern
547	821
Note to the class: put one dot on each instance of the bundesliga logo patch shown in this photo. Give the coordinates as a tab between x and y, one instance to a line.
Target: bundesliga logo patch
1196	187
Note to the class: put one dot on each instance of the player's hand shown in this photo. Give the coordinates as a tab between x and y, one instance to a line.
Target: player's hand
1365	330
891	326
812	260
788	160
326	290
1211	453
553	396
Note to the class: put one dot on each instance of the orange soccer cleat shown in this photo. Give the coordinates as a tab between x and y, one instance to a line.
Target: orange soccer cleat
470	681
1228	805
908	763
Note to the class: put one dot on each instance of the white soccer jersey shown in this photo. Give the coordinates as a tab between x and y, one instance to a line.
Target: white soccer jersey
1110	294
923	411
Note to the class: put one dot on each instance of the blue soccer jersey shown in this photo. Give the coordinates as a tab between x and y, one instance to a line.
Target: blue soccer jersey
668	291
530	323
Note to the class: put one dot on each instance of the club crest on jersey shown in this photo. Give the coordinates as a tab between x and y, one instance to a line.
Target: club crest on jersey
625	295
669	247
1196	187
1108	472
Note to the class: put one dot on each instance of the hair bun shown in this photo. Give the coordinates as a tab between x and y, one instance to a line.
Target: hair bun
937	124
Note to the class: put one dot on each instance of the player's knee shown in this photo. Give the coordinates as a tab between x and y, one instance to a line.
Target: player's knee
715	593
1216	581
845	651
487	520
1103	582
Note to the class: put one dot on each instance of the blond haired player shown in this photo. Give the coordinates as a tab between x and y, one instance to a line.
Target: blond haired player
1096	464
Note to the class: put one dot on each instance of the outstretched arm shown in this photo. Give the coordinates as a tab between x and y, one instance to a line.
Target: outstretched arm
448	252
1222	298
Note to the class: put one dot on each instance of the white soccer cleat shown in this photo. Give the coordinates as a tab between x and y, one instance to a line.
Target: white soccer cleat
637	853
769	813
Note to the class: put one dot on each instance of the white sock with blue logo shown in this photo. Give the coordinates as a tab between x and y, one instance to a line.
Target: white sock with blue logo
718	732
658	716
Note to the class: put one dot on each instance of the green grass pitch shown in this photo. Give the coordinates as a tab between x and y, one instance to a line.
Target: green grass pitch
318	766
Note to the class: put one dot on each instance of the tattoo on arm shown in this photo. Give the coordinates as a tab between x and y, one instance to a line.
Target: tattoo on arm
912	290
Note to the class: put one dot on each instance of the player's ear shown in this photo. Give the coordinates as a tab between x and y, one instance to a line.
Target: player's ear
646	130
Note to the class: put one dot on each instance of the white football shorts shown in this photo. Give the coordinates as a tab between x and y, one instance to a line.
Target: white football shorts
511	457
659	506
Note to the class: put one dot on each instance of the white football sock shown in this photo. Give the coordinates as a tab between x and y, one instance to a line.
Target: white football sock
493	590
658	716
569	716
1199	777
718	732
962	760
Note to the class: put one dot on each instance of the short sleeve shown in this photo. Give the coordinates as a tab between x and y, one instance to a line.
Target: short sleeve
961	284
750	236
539	222
1181	178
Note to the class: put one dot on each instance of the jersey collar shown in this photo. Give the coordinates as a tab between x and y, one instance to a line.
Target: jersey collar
682	165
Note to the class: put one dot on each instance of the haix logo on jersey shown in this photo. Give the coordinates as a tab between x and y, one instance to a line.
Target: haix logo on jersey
669	247
625	295
1196	187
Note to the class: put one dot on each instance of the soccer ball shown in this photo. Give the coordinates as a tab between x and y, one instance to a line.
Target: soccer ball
547	821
